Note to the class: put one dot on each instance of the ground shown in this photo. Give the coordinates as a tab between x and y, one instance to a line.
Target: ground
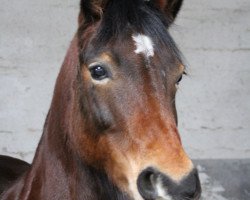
224	179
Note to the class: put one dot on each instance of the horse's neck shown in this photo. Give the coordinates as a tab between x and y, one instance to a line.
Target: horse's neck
57	172
53	174
62	175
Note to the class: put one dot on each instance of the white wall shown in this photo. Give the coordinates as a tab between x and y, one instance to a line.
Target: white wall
213	101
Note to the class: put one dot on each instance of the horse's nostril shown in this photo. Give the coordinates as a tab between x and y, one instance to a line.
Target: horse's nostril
153	184
190	187
145	183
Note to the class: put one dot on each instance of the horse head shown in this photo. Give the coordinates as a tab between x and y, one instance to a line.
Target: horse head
128	72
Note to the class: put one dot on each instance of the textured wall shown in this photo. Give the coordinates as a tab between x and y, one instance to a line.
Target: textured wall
213	101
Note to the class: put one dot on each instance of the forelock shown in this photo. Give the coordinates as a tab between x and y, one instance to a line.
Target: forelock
136	17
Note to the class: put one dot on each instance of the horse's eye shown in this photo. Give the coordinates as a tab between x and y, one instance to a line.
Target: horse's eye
98	72
179	80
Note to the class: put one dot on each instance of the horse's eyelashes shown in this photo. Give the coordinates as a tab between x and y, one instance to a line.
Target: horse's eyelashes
179	80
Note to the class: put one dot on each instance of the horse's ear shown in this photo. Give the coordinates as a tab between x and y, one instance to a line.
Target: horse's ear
169	7
91	10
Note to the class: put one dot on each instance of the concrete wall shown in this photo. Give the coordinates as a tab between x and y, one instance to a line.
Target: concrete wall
213	101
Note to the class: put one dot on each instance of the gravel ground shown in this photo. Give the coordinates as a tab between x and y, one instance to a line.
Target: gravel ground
225	179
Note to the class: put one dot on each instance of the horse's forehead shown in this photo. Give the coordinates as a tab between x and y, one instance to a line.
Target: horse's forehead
133	47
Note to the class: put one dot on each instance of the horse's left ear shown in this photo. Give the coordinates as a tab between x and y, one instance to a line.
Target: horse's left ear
169	7
91	10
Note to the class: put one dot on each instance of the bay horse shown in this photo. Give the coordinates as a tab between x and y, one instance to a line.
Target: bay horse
111	131
10	170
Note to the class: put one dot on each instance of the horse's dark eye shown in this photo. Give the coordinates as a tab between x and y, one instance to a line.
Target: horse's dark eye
98	72
179	80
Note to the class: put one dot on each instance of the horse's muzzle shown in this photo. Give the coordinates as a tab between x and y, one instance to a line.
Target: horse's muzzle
154	185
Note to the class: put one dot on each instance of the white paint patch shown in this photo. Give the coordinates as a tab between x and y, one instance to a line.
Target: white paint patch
144	45
161	191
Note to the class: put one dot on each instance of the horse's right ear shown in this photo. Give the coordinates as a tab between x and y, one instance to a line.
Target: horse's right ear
169	7
91	10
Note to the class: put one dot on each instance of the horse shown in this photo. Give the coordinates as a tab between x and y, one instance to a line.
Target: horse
10	170
111	130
